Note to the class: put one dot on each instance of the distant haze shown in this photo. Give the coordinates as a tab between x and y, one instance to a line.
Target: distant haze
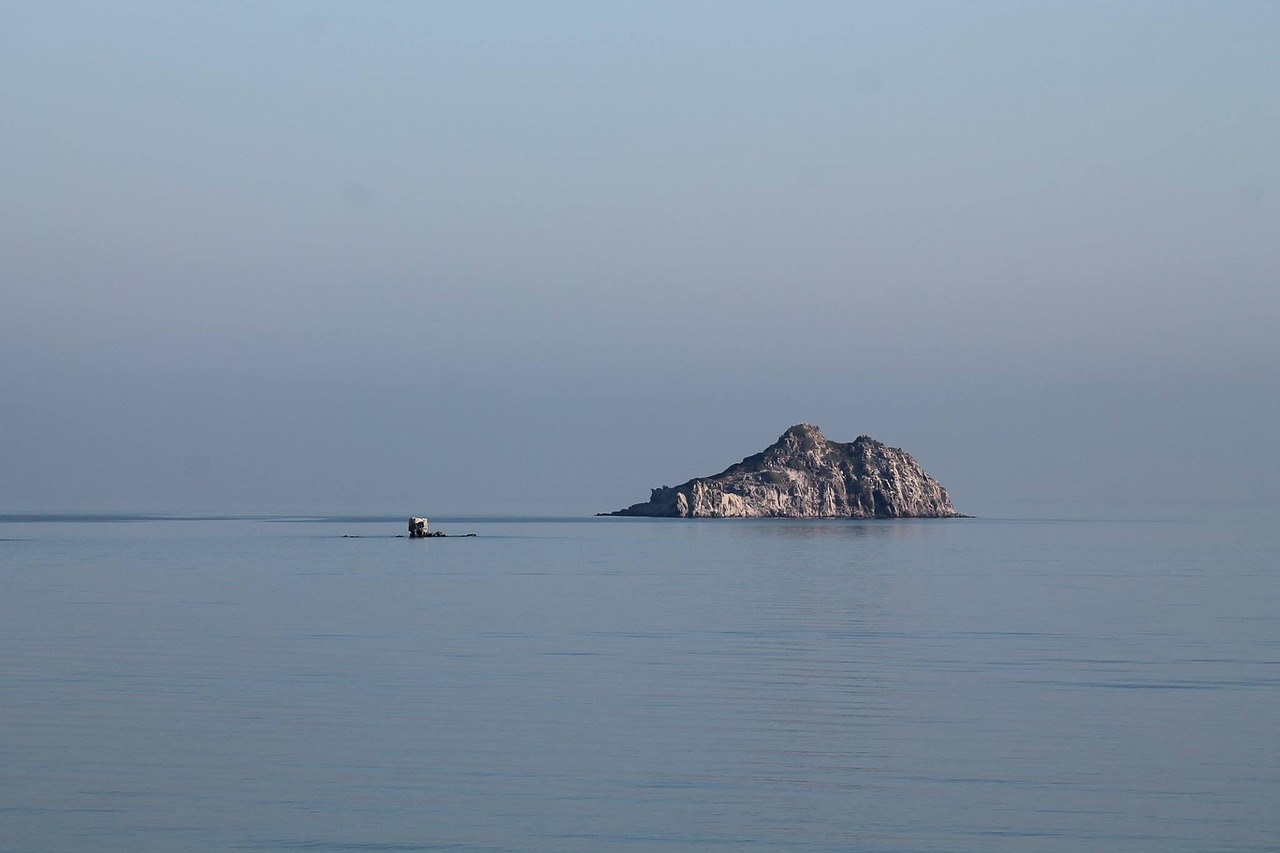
513	257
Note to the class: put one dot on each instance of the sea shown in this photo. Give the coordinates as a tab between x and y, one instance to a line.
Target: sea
1038	680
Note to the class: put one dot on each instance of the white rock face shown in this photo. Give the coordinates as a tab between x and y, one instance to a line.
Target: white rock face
804	475
417	528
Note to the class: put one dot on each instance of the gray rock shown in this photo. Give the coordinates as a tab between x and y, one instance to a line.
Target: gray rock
804	475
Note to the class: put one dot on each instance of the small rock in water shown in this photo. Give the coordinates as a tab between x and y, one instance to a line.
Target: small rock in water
418	530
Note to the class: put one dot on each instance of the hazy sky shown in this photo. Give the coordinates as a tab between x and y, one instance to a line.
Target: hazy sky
442	258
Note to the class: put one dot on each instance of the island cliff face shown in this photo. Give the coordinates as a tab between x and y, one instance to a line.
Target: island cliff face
804	475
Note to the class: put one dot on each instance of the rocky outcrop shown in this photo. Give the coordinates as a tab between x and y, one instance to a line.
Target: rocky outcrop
418	529
804	475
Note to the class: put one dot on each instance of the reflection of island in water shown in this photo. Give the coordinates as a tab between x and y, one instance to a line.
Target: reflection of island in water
805	475
833	528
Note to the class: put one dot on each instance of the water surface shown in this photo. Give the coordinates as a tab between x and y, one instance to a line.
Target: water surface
639	685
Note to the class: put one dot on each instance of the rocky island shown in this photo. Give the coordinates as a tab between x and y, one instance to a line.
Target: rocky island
805	475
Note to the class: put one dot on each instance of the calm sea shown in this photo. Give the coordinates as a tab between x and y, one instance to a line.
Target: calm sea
297	684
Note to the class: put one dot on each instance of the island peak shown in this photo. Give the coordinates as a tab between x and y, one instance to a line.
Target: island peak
806	475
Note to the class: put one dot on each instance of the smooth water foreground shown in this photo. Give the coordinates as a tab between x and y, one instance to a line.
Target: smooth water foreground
619	685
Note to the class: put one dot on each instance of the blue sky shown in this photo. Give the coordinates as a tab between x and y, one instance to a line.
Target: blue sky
515	257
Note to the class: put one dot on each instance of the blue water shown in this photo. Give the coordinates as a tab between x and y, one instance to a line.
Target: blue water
639	685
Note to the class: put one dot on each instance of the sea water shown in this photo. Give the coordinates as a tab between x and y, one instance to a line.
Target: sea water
300	684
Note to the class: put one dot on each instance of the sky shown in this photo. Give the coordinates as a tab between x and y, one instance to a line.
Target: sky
506	257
